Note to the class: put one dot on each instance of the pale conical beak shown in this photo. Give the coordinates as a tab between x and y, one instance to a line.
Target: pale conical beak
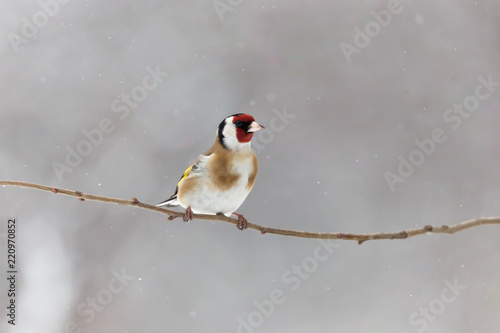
254	127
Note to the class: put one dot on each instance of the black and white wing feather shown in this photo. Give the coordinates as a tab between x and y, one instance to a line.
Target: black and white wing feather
192	170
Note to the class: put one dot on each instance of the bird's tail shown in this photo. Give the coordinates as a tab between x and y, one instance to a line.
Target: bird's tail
170	202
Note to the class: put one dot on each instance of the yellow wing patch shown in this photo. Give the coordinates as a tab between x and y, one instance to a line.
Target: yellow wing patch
185	174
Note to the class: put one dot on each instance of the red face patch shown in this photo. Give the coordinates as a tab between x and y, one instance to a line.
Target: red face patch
241	133
243	136
246	118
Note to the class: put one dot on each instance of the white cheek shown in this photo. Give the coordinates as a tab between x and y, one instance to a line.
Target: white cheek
230	139
229	131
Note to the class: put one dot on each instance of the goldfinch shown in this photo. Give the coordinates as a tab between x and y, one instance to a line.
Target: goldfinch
221	179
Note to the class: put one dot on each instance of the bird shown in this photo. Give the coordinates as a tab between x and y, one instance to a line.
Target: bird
219	181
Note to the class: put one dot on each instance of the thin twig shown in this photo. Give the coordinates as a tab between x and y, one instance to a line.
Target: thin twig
444	229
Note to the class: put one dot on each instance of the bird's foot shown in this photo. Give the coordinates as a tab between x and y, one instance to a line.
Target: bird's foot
188	214
242	222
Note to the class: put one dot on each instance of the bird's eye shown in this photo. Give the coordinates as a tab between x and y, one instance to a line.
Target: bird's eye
238	123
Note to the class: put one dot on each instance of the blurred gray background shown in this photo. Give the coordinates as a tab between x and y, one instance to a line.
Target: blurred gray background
337	126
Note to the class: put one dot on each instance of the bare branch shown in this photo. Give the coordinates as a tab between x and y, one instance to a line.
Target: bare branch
360	238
